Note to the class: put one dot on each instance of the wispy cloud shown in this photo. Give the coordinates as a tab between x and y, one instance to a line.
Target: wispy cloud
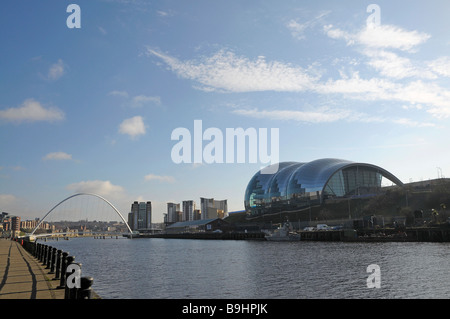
123	94
133	127
441	66
102	30
31	111
141	100
57	156
389	75
56	70
167	179
138	100
298	28
225	71
327	115
321	115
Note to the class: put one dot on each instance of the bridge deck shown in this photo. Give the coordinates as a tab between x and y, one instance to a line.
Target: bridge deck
22	276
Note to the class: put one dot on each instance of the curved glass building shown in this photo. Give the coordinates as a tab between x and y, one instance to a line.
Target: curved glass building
299	185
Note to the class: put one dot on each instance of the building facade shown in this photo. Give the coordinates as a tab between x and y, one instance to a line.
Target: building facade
140	216
173	210
188	210
211	208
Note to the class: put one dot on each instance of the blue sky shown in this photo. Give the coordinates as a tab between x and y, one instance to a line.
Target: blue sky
93	108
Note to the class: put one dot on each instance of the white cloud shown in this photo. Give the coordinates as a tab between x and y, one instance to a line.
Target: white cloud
356	87
441	66
389	36
133	126
31	111
102	188
392	65
168	179
380	37
224	71
56	70
57	156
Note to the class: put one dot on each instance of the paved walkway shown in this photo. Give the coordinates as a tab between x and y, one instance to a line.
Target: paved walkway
23	276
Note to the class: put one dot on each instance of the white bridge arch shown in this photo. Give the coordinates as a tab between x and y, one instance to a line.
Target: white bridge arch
80	194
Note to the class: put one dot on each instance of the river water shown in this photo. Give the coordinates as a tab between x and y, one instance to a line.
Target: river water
234	269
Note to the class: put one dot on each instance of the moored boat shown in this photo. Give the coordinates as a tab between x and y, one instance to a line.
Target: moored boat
283	233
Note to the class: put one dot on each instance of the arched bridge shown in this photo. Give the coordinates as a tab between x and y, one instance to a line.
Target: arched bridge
80	194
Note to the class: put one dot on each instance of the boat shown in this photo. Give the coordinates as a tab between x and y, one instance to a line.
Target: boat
283	233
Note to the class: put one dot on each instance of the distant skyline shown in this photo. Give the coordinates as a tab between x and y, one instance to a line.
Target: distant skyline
93	109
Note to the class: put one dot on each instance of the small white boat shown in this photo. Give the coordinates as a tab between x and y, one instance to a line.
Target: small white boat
283	233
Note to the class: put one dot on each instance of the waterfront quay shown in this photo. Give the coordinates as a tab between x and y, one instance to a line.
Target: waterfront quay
32	271
417	234
23	277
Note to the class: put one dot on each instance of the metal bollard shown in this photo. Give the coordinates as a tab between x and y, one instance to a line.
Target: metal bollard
62	281
53	262
70	293
58	264
34	248
41	249
49	257
40	252
85	292
44	255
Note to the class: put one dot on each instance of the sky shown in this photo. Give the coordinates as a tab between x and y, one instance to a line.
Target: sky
91	97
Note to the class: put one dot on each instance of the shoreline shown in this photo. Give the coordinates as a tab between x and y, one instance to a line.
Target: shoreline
435	234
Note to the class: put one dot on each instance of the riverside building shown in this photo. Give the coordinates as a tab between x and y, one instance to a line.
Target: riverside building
296	186
140	216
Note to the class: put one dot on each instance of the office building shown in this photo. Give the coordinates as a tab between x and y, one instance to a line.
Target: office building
211	208
188	210
140	216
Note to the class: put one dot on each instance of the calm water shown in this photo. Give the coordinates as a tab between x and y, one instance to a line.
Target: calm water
176	268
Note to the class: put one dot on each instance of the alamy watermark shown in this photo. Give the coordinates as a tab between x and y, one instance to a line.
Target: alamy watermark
74	279
235	146
374	20
74	19
374	279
